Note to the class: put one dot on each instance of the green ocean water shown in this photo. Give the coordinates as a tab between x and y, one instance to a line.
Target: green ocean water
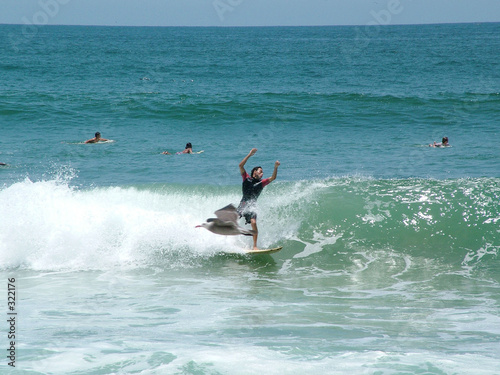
390	258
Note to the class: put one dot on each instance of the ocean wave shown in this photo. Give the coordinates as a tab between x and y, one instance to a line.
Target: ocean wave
53	225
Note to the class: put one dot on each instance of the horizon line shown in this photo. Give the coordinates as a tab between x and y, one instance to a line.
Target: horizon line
255	26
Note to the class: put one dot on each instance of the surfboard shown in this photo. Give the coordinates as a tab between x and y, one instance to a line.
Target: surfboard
264	251
193	153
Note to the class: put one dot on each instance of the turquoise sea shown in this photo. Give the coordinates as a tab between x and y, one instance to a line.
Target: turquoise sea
391	248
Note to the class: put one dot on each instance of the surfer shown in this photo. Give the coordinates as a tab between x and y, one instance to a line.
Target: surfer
187	150
96	139
252	187
444	143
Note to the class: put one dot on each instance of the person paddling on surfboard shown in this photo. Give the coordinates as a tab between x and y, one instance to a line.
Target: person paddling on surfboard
187	150
444	143
252	187
97	139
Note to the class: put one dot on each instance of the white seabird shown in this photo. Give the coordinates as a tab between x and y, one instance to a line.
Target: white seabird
226	223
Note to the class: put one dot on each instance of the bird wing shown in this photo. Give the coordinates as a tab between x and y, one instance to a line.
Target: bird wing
221	223
227	213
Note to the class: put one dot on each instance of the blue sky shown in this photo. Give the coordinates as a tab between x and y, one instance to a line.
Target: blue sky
246	12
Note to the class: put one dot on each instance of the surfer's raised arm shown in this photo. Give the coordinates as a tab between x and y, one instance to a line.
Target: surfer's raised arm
245	159
275	172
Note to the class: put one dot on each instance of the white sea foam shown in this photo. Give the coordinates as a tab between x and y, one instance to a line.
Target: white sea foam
51	225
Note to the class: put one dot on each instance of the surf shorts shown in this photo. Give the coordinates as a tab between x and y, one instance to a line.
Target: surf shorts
244	211
249	216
